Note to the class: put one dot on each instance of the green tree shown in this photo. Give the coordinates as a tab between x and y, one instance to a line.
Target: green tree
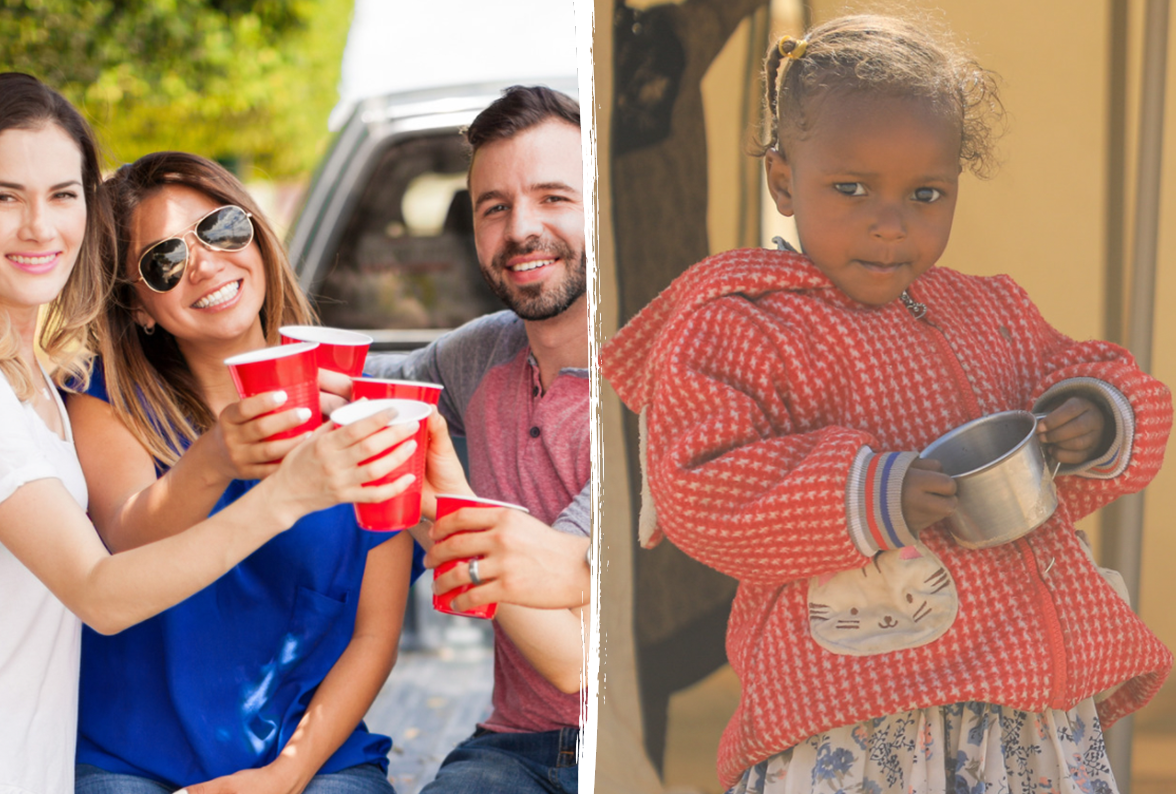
245	80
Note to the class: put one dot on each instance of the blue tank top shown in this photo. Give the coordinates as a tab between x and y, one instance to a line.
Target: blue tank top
219	682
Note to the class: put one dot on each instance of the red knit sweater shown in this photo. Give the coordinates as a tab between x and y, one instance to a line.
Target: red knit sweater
766	388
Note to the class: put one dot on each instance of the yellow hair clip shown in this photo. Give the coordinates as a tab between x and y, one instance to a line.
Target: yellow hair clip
792	48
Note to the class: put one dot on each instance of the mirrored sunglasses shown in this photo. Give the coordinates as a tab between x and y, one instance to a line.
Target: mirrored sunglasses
226	228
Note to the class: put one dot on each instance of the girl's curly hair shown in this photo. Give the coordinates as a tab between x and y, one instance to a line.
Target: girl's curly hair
886	55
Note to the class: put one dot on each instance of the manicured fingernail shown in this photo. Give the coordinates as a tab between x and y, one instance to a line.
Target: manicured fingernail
303	414
280	397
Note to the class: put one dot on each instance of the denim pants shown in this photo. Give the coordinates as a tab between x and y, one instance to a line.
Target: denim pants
510	763
362	779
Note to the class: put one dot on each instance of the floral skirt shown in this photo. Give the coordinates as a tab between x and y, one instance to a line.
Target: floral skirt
965	748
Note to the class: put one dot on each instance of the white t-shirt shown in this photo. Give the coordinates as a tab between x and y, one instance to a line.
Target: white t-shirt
40	640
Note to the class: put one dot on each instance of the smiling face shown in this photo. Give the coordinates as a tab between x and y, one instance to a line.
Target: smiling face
873	188
218	299
42	216
529	218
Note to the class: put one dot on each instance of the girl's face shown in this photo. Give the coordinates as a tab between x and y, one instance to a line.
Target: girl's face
219	297
42	215
873	189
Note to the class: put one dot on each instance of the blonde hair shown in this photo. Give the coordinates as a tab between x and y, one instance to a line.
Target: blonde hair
148	381
28	104
890	56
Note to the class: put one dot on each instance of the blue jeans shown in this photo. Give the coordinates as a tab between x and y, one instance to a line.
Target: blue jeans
510	763
362	779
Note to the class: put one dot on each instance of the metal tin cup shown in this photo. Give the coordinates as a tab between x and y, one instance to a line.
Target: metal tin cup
1004	485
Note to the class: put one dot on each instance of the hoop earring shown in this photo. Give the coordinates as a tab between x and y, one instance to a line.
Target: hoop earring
148	329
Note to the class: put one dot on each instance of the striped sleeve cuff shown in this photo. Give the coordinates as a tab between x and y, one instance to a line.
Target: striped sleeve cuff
873	501
1116	408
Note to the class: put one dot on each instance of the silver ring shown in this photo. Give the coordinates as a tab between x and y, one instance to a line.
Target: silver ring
474	572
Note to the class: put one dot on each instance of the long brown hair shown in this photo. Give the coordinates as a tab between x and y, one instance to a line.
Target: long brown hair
28	104
149	383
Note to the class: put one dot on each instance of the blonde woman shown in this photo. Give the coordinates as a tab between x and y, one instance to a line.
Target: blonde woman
54	569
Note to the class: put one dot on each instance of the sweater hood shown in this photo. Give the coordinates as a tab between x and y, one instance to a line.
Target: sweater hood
632	360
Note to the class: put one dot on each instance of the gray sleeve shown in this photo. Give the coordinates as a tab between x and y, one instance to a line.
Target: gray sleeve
576	518
458	361
392	366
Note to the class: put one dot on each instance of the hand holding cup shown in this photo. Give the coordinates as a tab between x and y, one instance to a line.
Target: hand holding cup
404	511
458	514
289	368
242	435
334	390
522	560
443	471
339	464
928	495
1072	432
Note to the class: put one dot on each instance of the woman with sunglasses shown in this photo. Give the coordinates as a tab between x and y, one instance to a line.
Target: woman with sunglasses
258	683
54	230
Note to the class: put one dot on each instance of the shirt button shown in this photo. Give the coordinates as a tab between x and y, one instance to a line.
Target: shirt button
534	432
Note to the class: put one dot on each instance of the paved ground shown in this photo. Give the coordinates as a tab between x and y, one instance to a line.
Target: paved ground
439	689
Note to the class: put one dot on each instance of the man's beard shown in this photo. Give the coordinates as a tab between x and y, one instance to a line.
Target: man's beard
542	300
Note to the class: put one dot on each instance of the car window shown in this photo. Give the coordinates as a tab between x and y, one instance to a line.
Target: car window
406	258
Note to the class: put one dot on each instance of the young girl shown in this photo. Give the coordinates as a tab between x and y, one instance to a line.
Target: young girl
785	397
54	231
260	680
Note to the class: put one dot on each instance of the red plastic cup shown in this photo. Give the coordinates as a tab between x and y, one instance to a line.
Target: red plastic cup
381	389
403	511
292	368
443	602
338	350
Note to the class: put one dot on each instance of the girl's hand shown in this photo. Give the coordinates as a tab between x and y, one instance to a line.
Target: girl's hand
325	469
928	495
240	433
1072	432
443	471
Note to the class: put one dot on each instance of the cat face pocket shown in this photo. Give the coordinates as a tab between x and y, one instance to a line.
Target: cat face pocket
900	599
